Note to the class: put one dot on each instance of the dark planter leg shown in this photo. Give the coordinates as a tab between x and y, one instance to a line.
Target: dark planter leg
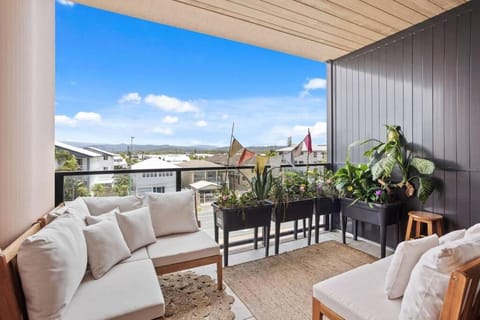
355	230
317	228
344	227
277	236
383	240
264	232
216	233
255	238
309	230
304	229
225	248
327	222
266	237
295	229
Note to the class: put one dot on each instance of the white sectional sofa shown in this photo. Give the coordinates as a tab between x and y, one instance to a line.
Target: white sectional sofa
429	278
68	271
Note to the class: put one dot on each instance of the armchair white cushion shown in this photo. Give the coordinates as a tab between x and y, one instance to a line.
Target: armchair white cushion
404	260
99	205
104	216
136	226
105	246
428	283
52	264
79	208
172	212
452	236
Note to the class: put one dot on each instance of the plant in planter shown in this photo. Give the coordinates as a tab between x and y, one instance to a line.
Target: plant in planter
294	200
233	212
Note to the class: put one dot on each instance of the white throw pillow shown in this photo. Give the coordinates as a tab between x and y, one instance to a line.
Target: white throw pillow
404	260
79	208
473	232
423	298
52	263
104	216
452	236
172	212
100	205
105	246
137	229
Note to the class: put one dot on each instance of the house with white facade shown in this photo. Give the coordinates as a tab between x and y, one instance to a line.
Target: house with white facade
155	181
319	155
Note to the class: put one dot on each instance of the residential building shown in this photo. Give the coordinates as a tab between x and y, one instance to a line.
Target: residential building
154	181
318	155
189	177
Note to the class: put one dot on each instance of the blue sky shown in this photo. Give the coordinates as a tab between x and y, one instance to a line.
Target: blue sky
118	76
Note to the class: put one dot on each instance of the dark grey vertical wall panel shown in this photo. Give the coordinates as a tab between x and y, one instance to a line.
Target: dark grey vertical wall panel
425	79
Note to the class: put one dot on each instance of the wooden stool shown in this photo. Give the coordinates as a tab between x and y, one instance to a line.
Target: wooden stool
419	217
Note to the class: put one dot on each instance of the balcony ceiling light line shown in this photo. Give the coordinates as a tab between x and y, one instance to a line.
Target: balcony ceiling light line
189	3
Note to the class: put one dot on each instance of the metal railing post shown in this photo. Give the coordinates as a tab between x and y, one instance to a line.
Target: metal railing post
59	186
178	174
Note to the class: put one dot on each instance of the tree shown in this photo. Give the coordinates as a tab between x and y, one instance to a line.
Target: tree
66	161
98	190
121	185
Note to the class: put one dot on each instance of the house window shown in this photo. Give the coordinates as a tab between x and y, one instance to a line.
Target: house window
314	154
159	189
105	168
105	157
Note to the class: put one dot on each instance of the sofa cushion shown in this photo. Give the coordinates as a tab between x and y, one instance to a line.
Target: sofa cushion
52	264
140	254
473	232
105	246
127	291
136	226
404	260
79	208
182	247
428	283
359	293
452	236
99	205
172	212
104	216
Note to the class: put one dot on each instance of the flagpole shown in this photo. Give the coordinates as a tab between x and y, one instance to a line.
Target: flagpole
227	181
308	153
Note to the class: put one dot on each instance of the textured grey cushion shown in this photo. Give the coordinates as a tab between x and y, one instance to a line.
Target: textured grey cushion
136	226
172	212
52	264
79	208
104	216
105	246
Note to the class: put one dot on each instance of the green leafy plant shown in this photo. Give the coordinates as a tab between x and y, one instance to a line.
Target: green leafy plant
261	184
293	186
325	183
395	155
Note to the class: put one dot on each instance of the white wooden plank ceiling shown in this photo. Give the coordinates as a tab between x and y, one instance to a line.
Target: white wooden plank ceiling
315	29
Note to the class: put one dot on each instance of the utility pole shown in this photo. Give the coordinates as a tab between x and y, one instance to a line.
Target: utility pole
131	148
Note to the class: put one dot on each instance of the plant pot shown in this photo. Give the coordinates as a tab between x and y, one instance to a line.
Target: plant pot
293	210
381	215
242	218
325	206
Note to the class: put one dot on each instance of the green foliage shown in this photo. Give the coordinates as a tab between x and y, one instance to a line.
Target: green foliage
66	161
386	158
325	183
261	184
121	185
74	187
98	190
231	200
293	186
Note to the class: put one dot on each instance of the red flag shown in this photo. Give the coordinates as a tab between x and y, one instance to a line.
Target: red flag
246	154
308	142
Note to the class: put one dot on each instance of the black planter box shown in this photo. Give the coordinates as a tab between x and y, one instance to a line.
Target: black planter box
325	206
293	210
381	215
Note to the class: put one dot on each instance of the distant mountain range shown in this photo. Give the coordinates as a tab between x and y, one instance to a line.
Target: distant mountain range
165	148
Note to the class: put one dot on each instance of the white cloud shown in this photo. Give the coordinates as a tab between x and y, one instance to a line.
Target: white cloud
201	123
162	130
132	97
170	119
79	117
167	103
66	3
319	129
88	116
225	116
313	84
65	120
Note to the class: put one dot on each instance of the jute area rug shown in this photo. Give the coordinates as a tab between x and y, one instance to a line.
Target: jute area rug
280	287
191	296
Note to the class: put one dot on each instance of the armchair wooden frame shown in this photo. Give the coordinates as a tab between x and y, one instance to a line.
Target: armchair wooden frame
461	302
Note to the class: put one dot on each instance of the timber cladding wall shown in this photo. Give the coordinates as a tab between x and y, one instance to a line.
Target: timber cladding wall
427	80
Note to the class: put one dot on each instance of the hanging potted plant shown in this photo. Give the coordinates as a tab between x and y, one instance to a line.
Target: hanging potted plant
372	192
294	197
251	209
